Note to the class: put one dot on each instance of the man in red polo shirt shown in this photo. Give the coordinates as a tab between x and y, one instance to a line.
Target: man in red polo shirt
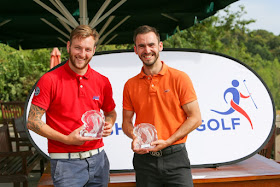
65	94
164	97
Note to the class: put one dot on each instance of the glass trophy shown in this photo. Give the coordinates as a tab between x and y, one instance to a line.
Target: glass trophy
94	122
146	134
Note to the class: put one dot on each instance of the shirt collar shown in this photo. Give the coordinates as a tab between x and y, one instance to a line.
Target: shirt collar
74	74
162	71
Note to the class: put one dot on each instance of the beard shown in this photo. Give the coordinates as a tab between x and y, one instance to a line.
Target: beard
150	62
79	66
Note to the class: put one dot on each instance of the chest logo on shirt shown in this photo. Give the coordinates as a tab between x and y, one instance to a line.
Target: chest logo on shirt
166	90
95	98
37	91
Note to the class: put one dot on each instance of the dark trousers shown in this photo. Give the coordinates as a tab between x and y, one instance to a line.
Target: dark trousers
170	170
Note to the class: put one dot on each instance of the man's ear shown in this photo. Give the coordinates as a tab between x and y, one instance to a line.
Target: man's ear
135	50
160	46
94	49
68	46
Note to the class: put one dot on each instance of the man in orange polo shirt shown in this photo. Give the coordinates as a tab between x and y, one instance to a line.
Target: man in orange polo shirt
164	97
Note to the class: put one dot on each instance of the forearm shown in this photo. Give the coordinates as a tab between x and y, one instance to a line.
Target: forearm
38	126
45	130
192	122
186	128
110	117
127	125
127	128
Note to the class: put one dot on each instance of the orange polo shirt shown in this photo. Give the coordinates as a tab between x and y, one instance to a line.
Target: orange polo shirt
158	99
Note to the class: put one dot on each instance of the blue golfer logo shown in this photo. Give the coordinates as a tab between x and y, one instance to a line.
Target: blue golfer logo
234	103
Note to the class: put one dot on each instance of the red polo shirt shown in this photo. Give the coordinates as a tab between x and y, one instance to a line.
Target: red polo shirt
66	96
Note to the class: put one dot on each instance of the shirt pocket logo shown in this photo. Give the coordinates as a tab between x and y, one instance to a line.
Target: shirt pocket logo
96	98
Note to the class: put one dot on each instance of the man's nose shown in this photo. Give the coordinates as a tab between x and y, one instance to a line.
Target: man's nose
147	49
82	52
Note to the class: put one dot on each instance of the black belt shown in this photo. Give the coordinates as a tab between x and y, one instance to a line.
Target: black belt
168	150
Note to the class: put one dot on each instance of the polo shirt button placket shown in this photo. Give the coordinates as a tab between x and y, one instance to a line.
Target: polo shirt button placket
152	88
81	87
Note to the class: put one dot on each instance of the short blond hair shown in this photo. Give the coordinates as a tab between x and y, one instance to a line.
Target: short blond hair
84	31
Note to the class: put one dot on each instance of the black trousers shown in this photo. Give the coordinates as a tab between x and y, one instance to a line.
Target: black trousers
168	170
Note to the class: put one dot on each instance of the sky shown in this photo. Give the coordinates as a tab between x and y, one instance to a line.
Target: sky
265	12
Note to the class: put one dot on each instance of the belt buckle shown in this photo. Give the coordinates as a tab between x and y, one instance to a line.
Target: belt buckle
156	154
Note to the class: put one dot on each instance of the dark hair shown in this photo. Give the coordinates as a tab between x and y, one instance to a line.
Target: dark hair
84	31
145	29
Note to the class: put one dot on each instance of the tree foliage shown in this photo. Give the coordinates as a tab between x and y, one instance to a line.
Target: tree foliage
20	69
227	34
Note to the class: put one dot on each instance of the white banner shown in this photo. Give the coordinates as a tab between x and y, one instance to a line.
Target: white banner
236	106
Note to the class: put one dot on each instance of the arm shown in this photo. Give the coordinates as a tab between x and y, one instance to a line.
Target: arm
36	124
192	122
127	127
110	118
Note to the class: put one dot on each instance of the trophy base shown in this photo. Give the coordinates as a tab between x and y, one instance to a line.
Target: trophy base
146	146
90	135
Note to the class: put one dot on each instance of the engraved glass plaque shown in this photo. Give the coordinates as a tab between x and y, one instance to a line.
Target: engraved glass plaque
146	134
93	124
